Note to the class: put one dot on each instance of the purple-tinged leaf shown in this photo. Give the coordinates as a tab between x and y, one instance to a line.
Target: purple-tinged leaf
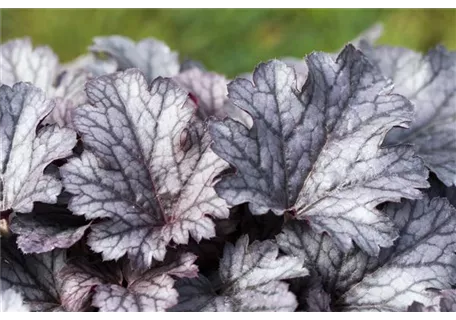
39	233
316	151
146	292
148	168
78	279
429	82
211	94
250	281
26	153
47	282
11	301
421	258
153	57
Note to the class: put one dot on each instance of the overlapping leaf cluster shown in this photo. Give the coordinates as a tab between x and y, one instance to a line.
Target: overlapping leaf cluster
133	182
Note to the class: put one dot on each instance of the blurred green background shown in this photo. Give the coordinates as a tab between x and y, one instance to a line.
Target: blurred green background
230	41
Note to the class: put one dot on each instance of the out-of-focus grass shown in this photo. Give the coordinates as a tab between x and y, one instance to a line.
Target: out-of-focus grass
229	40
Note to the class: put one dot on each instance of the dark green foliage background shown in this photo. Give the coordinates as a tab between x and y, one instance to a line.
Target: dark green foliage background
229	41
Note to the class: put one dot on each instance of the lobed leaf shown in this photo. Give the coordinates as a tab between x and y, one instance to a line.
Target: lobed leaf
316	151
148	169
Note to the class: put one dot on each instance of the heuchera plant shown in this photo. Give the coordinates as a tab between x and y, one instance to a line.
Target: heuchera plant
133	182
